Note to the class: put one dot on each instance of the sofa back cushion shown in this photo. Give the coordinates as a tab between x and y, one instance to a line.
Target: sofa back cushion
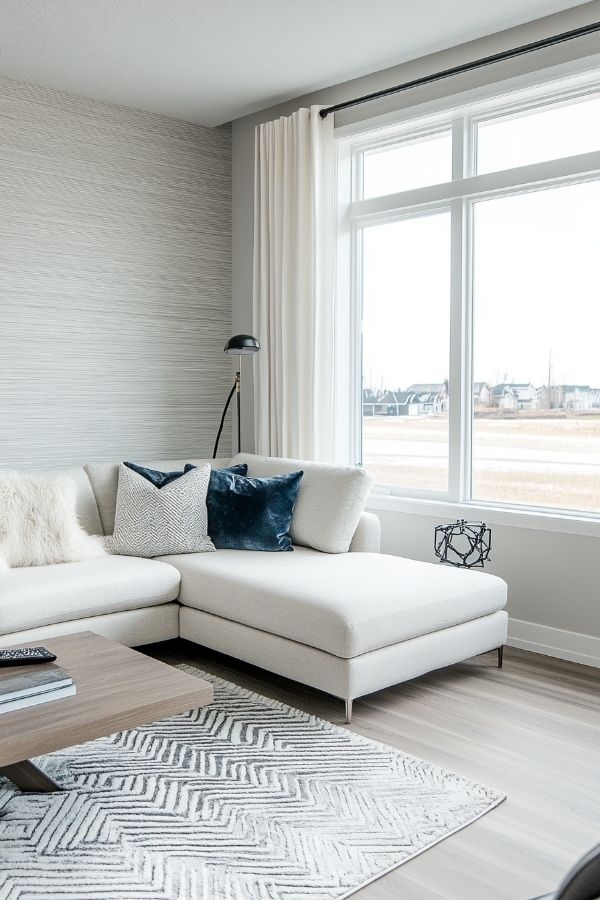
104	479
330	501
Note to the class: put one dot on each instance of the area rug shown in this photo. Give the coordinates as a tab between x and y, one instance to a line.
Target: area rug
246	799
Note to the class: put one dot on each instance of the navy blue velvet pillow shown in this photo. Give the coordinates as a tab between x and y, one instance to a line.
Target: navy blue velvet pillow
159	479
251	513
239	469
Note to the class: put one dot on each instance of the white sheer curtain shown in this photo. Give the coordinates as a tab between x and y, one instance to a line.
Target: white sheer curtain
294	253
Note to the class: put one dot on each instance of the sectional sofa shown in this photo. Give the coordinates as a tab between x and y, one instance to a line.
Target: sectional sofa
335	614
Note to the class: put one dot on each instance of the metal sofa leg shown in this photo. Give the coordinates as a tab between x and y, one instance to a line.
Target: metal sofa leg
348	712
500	655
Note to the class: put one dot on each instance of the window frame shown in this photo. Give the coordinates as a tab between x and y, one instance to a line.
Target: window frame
461	114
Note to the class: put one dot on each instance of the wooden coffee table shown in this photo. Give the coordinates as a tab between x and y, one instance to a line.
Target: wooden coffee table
117	689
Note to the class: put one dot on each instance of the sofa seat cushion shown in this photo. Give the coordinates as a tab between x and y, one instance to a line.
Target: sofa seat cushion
345	604
44	595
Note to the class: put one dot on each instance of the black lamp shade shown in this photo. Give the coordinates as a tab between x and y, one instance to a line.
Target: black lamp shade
242	345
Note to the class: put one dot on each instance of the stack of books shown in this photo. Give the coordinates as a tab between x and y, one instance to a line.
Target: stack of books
29	685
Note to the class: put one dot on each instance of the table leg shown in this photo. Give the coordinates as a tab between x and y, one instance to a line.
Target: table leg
27	777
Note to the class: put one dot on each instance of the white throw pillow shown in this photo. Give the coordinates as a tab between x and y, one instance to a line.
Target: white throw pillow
38	522
151	521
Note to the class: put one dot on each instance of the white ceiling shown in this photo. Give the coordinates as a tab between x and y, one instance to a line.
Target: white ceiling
210	61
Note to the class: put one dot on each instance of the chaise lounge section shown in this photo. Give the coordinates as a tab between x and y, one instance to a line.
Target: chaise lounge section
335	614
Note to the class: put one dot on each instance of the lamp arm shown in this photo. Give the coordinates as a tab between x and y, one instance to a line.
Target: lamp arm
231	393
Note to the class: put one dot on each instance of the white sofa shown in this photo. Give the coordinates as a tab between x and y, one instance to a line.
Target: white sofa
334	614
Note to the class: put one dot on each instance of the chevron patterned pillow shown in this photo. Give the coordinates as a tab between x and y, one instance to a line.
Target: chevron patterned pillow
151	521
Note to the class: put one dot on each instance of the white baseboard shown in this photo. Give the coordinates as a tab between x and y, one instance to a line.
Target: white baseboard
580	648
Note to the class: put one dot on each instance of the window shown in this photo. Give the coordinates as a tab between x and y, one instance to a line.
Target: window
469	243
536	329
564	129
402	296
410	164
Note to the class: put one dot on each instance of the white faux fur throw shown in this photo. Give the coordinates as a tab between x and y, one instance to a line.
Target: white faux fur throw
38	522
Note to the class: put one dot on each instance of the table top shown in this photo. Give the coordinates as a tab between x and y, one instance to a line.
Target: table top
117	688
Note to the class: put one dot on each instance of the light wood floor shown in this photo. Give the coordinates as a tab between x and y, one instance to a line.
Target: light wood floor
532	730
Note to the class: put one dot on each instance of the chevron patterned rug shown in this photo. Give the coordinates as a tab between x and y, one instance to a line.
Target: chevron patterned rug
247	799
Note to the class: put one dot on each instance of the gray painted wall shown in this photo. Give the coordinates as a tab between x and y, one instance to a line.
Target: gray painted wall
115	281
552	577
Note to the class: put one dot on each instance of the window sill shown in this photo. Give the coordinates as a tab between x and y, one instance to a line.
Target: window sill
492	515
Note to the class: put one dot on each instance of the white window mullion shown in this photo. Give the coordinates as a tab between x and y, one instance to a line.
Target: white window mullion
469	169
456	374
572	169
467	352
459	144
355	349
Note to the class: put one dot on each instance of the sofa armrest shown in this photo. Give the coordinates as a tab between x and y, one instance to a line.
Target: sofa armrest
367	535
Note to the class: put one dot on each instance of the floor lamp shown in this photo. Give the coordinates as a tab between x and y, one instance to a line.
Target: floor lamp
238	345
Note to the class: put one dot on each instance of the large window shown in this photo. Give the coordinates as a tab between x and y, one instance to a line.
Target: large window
469	244
402	296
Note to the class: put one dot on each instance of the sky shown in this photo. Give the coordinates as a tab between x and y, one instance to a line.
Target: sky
536	289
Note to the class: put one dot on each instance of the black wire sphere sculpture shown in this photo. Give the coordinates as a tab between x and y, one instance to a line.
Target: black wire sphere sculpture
464	544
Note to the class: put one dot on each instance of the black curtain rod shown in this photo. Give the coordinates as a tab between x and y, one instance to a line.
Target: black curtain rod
467	67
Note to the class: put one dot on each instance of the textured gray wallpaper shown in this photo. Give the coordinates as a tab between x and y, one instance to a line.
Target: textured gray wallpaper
115	281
